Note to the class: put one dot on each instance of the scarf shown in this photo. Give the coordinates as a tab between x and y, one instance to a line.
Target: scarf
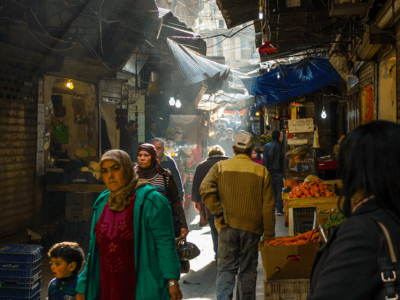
155	166
360	202
118	200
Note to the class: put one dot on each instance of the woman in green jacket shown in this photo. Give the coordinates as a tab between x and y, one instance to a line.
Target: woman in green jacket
132	250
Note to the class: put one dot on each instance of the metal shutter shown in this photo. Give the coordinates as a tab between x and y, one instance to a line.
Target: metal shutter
18	132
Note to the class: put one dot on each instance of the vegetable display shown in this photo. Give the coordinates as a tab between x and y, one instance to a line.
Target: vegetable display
334	220
301	239
311	189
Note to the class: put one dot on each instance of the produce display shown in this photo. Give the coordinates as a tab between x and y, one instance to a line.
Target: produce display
301	239
310	189
334	219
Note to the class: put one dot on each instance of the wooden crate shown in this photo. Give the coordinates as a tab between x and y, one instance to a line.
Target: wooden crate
286	289
320	203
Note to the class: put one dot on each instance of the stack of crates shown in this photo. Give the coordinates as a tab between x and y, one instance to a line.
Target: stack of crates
20	272
303	219
286	289
78	218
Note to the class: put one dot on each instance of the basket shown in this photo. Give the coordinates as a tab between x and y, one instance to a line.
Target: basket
15	253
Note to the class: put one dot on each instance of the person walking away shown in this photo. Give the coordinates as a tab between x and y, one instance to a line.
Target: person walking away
239	193
227	142
349	265
66	261
149	168
132	244
256	156
168	163
215	154
273	161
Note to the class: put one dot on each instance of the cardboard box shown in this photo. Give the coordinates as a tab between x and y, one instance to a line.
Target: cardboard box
287	261
286	289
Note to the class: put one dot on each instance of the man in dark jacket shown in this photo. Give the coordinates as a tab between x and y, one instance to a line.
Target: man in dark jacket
273	161
168	163
215	154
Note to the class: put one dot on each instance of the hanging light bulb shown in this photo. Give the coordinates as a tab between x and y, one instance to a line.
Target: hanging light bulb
323	114
278	76
178	104
269	69
69	84
172	101
261	14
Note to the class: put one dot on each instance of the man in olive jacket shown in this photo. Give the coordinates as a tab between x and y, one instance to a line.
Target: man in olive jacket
239	193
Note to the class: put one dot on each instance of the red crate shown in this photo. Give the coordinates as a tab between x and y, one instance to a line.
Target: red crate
326	165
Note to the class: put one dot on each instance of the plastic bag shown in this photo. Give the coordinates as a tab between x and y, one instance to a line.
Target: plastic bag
186	250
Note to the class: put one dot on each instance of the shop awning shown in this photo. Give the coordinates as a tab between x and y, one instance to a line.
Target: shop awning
308	75
193	68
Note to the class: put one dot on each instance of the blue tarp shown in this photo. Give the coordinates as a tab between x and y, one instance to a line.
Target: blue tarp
308	75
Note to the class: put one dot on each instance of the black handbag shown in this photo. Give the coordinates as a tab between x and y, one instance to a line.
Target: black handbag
388	264
186	250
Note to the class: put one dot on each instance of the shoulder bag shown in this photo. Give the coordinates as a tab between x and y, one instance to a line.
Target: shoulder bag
388	264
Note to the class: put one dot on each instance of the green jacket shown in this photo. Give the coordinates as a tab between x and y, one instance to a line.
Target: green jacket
158	258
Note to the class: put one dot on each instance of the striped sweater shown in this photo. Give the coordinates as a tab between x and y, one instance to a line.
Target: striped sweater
243	190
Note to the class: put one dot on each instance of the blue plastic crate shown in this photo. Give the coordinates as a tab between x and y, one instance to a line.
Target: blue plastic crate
20	270
22	282
20	253
15	293
35	297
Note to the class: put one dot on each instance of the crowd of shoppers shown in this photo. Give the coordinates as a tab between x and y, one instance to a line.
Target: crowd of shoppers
132	248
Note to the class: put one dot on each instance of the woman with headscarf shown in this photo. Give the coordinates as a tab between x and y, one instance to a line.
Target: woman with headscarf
149	168
256	156
132	248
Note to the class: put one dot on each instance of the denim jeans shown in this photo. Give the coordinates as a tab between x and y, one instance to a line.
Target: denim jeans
214	233
237	255
277	185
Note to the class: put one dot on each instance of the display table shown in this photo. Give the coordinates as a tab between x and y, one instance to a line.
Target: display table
76	187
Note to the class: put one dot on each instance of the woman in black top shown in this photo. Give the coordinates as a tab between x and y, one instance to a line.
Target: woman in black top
346	267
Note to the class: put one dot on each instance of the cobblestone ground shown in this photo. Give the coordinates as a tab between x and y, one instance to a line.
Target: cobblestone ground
199	283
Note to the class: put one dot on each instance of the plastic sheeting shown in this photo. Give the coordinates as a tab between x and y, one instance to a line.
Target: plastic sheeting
308	75
193	68
223	99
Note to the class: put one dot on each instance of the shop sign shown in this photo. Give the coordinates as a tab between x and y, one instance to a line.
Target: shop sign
301	125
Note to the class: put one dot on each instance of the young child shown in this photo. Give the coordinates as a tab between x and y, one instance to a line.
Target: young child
66	260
